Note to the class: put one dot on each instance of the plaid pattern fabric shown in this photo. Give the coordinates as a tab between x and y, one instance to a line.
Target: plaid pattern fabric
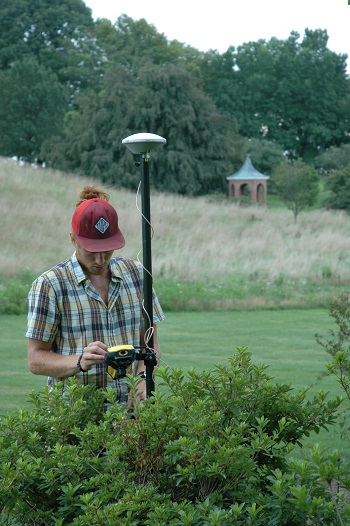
66	310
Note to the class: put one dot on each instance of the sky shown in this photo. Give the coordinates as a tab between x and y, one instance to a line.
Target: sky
218	24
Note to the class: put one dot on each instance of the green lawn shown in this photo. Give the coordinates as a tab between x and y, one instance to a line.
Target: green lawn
284	340
15	379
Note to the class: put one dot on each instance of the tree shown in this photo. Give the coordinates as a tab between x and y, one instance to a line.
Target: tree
202	144
131	42
312	100
266	155
294	93
58	35
335	158
32	107
38	28
218	76
338	183
297	184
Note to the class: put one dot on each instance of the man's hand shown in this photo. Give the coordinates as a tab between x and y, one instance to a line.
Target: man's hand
93	354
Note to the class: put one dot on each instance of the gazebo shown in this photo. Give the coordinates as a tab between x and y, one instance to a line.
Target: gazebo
248	177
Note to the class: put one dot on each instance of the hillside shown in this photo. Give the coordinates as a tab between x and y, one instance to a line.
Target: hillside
195	240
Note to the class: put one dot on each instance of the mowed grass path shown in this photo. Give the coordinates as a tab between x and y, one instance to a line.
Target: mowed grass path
284	340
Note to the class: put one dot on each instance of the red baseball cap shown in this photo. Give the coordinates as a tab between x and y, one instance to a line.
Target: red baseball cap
95	223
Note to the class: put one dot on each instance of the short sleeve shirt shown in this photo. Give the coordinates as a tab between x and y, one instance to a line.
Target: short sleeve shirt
66	310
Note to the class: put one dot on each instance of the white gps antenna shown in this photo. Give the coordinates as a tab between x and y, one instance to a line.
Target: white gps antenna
140	143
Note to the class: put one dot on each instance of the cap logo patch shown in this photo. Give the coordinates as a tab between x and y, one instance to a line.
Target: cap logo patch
102	225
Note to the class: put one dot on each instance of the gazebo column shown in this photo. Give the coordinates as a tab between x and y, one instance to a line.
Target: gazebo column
231	189
253	192
263	189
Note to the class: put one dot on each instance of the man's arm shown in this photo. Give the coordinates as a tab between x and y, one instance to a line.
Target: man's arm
42	361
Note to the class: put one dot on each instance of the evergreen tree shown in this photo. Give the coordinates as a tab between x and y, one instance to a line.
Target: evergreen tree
202	144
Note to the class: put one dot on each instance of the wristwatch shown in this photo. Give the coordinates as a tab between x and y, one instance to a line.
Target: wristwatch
142	375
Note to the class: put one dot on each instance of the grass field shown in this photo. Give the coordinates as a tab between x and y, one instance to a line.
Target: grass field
284	340
214	250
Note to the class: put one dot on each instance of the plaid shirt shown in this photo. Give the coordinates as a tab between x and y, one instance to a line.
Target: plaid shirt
65	309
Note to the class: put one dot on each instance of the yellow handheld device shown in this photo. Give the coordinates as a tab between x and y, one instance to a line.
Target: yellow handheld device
119	359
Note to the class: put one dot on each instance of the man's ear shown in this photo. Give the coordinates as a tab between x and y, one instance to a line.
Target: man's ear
73	238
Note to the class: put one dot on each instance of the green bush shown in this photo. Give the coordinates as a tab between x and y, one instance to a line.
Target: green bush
212	448
337	345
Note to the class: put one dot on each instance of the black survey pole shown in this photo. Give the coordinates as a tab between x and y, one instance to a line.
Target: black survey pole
150	358
146	243
142	144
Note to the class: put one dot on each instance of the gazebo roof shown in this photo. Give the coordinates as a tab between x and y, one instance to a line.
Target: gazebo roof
247	172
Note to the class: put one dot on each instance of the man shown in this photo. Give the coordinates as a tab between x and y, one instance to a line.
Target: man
89	303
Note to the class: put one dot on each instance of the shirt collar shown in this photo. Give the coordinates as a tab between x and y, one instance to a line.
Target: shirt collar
80	275
115	269
78	271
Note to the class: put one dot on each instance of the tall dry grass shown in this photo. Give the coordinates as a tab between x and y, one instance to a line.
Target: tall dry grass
194	239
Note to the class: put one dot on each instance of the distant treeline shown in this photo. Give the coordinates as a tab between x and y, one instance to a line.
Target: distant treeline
71	89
